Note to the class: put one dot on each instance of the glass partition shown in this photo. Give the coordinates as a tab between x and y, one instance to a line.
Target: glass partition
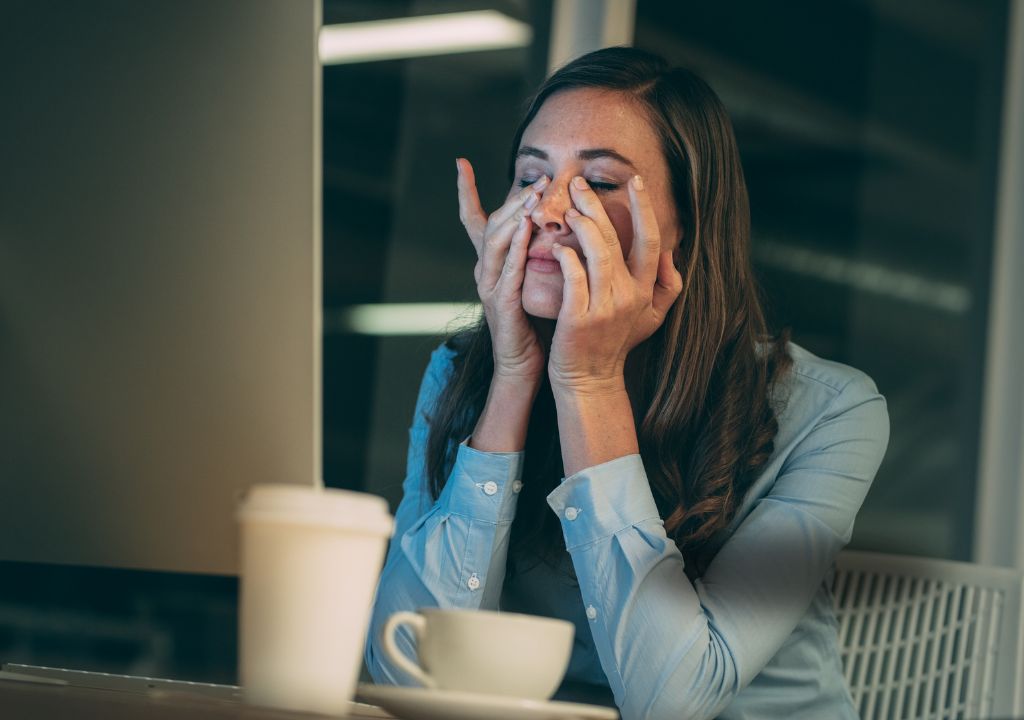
869	133
392	236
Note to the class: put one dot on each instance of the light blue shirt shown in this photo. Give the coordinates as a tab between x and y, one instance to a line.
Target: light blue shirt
755	637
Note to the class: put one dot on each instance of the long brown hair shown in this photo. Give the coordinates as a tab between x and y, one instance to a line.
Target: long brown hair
702	384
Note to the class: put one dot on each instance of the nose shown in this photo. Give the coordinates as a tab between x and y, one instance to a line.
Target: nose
549	214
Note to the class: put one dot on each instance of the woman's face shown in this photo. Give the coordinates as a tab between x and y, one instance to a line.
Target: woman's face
603	136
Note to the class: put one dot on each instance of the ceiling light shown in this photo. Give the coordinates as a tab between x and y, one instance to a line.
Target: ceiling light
421	36
389	319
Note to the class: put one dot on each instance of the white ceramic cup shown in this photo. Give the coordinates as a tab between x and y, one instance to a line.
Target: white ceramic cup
310	559
478	651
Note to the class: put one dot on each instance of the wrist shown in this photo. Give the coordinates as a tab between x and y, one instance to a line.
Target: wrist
503	423
597	388
517	382
595	423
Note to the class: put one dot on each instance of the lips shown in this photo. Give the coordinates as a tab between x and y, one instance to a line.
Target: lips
540	253
540	259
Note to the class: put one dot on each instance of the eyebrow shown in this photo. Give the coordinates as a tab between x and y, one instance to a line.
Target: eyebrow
588	154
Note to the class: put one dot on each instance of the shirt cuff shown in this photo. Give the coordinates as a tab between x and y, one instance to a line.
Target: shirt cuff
483	486
599	501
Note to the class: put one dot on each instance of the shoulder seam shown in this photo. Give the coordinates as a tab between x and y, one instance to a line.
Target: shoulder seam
796	371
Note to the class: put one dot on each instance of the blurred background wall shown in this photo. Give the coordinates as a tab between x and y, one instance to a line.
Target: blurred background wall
871	133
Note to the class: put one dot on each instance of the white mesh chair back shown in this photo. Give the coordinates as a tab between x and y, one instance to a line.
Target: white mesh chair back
923	638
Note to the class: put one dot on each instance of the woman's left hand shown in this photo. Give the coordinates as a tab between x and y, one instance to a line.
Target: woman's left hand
614	303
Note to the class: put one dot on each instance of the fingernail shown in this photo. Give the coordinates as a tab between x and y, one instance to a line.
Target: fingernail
542	182
531	202
572	212
638	182
579	182
458	168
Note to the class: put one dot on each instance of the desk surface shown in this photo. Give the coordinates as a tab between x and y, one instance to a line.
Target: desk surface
31	701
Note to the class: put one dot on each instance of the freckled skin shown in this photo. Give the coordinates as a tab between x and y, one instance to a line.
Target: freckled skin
582	119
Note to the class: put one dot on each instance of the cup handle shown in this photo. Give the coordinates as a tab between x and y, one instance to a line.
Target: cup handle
419	626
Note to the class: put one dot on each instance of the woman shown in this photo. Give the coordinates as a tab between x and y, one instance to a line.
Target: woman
620	442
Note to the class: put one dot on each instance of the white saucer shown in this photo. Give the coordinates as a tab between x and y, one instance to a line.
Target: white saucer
421	704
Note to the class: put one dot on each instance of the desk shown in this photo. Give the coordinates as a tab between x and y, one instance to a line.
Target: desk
36	701
31	701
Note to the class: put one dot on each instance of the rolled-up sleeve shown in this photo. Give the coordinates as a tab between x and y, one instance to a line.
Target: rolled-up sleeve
448	553
675	649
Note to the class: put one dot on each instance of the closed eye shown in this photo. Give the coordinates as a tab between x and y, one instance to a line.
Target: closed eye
596	185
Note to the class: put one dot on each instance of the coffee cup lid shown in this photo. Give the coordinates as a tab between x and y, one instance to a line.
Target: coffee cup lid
326	507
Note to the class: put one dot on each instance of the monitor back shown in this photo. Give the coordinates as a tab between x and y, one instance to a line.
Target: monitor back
159	274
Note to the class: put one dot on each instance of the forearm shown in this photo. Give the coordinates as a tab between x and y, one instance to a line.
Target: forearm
442	544
595	425
726	627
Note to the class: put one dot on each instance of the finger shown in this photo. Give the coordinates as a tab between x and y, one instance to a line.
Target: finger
511	279
494	251
643	257
668	286
575	294
471	212
589	204
600	256
518	201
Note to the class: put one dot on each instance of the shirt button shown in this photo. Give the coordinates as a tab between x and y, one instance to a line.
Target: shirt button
474	582
517	486
490	488
571	513
591	612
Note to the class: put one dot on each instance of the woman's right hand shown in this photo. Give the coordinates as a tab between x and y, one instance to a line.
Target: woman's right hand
501	241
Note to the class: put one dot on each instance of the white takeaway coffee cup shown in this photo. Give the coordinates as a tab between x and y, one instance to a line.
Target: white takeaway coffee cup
479	651
310	560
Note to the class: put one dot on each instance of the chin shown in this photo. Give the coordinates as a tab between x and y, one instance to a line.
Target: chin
542	299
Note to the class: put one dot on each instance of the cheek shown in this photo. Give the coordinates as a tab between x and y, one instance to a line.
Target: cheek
622	221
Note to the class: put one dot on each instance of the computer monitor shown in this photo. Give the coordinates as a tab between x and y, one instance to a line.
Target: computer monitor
160	283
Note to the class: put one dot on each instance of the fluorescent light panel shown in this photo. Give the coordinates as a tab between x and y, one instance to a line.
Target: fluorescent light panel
390	319
865	276
421	36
